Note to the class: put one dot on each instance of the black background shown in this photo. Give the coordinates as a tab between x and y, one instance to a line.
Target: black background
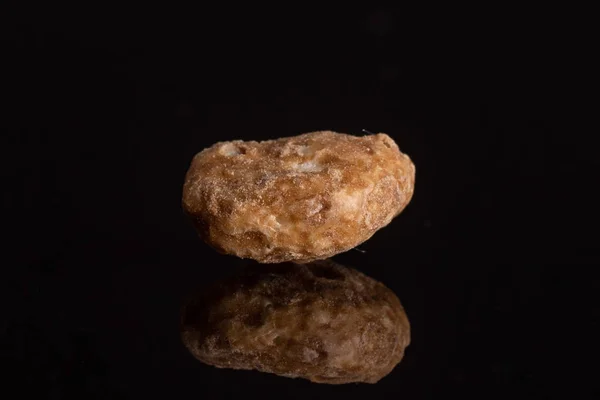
106	108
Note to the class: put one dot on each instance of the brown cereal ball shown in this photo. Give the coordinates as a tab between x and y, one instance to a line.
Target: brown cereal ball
318	321
300	198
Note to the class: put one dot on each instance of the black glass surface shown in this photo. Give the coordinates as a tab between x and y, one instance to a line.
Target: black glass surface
107	109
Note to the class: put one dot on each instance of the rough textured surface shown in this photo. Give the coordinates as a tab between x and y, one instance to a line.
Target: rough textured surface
302	198
317	321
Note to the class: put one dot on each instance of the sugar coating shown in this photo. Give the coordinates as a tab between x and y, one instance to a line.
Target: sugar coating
318	321
301	198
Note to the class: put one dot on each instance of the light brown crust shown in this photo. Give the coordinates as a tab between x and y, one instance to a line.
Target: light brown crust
318	321
301	198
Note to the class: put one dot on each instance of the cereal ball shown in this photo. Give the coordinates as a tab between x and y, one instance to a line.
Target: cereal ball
301	198
318	321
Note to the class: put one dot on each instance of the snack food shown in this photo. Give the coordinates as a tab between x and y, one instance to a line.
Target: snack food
301	198
319	321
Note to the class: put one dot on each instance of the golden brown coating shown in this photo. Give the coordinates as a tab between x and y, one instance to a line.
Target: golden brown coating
301	198
318	321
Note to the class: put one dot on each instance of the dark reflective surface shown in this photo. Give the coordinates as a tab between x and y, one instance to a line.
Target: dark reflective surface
104	122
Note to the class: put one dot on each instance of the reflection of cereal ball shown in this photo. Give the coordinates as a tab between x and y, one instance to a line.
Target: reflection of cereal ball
301	198
317	321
